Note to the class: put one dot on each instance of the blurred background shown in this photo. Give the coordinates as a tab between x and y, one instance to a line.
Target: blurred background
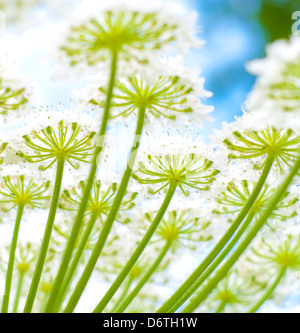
235	32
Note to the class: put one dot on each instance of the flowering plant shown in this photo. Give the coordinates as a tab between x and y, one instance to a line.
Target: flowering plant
230	204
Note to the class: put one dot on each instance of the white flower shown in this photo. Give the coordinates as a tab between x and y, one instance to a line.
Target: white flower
166	87
136	29
51	135
277	88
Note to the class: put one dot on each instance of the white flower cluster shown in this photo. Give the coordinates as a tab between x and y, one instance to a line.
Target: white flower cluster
179	197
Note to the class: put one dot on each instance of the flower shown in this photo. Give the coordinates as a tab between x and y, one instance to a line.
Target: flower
132	29
19	188
169	91
166	161
277	88
56	135
181	228
100	200
16	94
234	294
248	138
237	193
286	254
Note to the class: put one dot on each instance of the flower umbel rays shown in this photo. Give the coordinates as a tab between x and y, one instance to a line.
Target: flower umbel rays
282	144
123	32
25	257
277	86
180	228
165	96
65	142
100	200
23	191
287	91
190	170
237	193
11	99
285	255
233	294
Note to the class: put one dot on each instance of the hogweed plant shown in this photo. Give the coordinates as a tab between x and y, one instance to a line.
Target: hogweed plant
230	205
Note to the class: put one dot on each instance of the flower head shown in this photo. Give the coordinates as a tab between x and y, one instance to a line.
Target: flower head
181	228
20	188
277	86
237	193
283	255
164	162
65	138
246	140
130	29
166	88
100	200
233	294
15	93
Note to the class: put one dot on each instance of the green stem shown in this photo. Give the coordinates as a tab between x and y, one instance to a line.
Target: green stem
245	243
76	259
145	279
110	218
182	294
67	256
269	291
221	307
123	295
46	238
222	255
18	292
9	273
138	251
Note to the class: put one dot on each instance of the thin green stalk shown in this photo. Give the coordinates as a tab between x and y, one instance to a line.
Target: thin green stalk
138	251
76	258
67	256
221	307
145	279
269	290
123	295
46	238
221	257
245	243
111	217
18	292
9	273
182	294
